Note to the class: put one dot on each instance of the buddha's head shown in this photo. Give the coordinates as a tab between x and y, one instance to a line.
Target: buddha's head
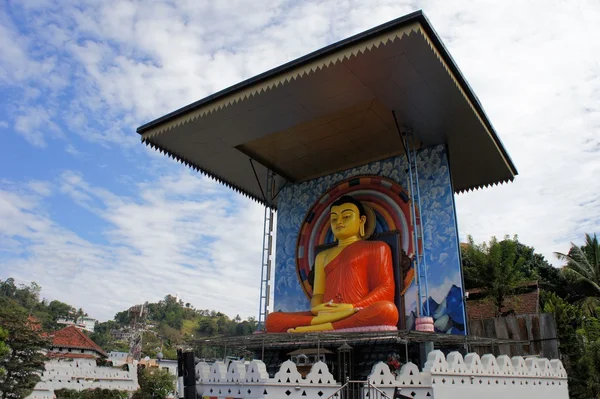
347	218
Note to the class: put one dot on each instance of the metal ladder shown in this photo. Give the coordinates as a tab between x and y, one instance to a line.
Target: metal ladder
265	273
409	142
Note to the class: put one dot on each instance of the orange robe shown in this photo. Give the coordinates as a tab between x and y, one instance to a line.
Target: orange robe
361	275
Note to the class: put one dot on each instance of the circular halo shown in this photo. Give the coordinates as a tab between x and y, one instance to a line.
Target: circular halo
371	221
388	200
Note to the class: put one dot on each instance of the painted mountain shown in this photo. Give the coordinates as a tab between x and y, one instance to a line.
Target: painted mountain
448	315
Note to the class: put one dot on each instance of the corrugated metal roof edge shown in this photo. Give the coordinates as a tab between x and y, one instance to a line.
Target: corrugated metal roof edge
404	20
417	16
467	89
261	201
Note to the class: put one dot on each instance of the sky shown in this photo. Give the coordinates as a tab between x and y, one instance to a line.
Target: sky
102	222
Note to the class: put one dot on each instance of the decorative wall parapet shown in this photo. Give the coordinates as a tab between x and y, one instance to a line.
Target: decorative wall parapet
442	377
515	377
80	375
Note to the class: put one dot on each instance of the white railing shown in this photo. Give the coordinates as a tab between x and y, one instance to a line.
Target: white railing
359	390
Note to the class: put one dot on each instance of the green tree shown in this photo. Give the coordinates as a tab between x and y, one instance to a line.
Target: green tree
495	266
90	394
123	318
8	288
78	314
588	370
154	384
569	319
23	361
65	393
207	326
583	272
104	339
4	349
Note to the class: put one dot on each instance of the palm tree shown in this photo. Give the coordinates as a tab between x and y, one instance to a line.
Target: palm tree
583	270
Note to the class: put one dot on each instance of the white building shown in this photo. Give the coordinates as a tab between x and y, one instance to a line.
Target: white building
85	323
73	364
119	358
88	323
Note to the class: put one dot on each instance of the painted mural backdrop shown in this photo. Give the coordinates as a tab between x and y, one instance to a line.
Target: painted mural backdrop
440	238
391	207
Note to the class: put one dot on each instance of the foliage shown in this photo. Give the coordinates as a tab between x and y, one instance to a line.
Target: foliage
154	383
90	394
170	322
583	272
570	293
103	337
579	345
496	267
568	319
4	349
23	361
587	370
27	297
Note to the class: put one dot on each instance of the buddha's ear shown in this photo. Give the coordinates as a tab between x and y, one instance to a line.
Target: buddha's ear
361	228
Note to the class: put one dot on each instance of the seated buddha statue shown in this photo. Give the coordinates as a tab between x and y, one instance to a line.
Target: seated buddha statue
354	280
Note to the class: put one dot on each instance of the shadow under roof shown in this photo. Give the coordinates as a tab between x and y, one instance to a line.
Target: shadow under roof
333	109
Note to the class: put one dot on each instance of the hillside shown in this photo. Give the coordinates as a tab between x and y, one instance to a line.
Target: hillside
162	325
165	324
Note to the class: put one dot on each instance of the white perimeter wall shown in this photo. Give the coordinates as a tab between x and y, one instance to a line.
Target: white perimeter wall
487	377
80	374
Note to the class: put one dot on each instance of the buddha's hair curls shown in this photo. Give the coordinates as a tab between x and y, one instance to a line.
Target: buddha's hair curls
346	199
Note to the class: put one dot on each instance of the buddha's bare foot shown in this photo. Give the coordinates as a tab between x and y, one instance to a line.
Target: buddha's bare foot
315	328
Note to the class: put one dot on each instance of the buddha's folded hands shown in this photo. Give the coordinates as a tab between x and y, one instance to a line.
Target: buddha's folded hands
331	317
331	307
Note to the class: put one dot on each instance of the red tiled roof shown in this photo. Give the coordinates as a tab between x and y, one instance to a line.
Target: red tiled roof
528	303
72	337
63	355
524	284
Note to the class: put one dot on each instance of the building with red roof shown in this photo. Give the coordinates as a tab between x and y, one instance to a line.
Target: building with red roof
72	341
73	363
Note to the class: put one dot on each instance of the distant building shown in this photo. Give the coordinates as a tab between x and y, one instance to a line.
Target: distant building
88	323
526	300
122	334
119	358
84	323
170	365
73	363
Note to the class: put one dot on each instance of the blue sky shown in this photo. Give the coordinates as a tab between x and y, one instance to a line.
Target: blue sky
102	222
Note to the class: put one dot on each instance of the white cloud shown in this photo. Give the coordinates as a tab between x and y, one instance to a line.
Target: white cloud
34	123
181	234
42	188
71	149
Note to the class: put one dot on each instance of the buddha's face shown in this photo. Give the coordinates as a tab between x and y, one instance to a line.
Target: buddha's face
345	221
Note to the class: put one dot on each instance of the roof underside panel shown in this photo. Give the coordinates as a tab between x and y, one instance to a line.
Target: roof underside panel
335	112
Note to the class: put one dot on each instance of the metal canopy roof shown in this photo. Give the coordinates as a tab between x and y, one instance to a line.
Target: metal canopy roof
332	110
286	340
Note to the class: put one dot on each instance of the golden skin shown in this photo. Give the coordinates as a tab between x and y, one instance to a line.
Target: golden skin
346	225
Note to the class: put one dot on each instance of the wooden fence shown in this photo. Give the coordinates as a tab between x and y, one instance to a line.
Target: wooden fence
537	331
